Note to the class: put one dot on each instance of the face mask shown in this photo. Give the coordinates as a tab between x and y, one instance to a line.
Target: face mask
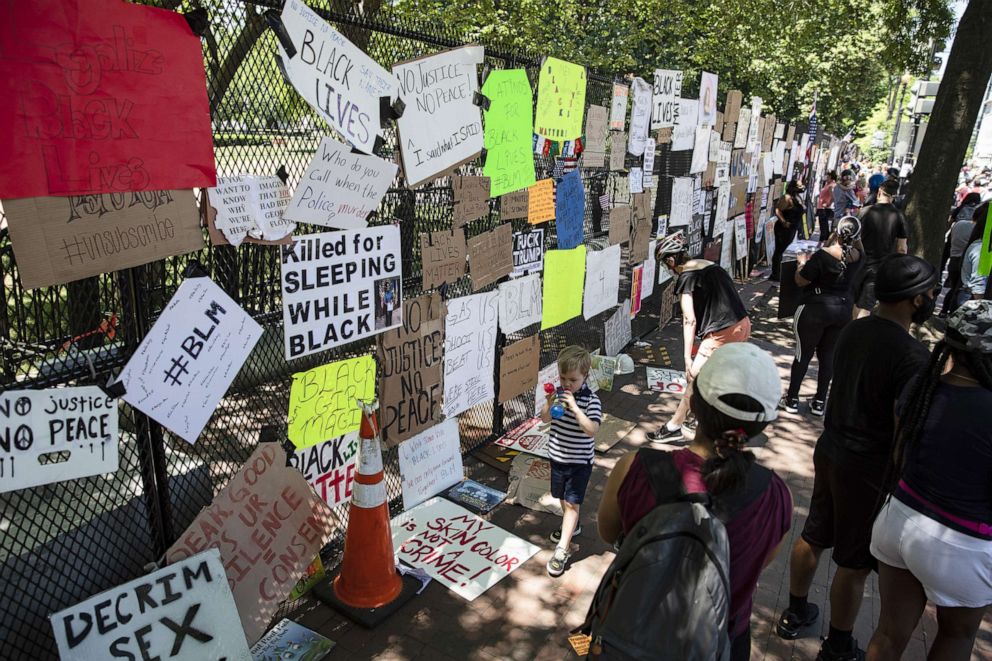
923	312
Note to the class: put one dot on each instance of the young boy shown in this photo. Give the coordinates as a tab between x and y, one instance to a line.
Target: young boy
570	446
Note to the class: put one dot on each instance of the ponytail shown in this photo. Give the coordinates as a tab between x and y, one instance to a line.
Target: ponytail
727	470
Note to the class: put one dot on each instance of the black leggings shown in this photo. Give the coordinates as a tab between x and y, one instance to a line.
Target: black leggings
817	326
783	237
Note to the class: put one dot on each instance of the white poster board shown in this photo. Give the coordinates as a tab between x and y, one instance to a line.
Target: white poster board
769	240
188	360
707	99
727	249
441	127
469	351
340	287
649	147
650	265
520	303
640	117
722	208
329	467
666	94
740	238
636	180
251	206
700	150
743	124
430	462
682	196
721	173
547	374
618	107
183	611
530	436
684	133
661	379
602	281
80	421
458	549
617	332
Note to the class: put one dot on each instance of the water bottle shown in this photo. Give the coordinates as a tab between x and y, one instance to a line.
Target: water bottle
556	410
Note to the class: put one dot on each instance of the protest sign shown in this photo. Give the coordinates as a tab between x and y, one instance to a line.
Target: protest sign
640	117
769	240
602	281
289	641
471	199
509	156
469	351
78	422
650	266
322	400
93	89
618	150
410	358
561	99
684	133
640	237
443	256
601	372
649	147
528	252
707	98
530	484
340	188
726	248
530	436
518	368
61	239
514	206
665	380
570	202
667	92
457	548
636	278
547	374
490	256
767	132
636	180
681	214
520	303
250	206
329	467
618	107
339	287
753	132
667	308
441	127
722	172
564	273
695	236
740	238
617	332
234	205
620	216
476	497
594	154
183	611
430	462
185	364
333	75
714	150
722	206
743	125
664	274
541	202
700	150
268	524
738	197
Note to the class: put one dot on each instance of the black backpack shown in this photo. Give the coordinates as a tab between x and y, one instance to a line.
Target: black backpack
666	595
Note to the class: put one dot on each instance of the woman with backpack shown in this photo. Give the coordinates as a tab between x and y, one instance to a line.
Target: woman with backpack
736	396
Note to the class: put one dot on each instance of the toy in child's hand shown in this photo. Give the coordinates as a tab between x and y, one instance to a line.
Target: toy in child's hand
557	410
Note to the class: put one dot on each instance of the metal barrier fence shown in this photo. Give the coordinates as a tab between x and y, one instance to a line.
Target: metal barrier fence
63	542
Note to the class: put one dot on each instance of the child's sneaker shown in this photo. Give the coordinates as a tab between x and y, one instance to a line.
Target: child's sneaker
556	565
556	535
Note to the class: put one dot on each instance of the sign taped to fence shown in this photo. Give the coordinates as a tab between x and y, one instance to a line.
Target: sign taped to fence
458	549
509	130
333	75
322	400
490	256
617	331
667	92
594	155
430	462
570	204
471	199
640	117
93	90
707	98
411	363
183	611
329	467
441	127
443	256
528	252
620	216
469	351
188	360
561	100
618	107
684	133
340	188
514	206
602	281
681	213
80	421
250	206
562	299
61	239
618	150
541	202
268	525
340	287
518	367
520	303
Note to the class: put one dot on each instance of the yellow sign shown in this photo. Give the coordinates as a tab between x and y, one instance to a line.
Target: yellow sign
541	202
561	100
564	275
322	401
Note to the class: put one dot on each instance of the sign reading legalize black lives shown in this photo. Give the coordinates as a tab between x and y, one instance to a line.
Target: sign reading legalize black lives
340	287
182	611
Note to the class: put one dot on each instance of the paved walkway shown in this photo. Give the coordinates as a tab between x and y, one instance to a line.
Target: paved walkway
528	614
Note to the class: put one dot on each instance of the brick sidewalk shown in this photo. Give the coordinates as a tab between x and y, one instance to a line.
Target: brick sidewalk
528	614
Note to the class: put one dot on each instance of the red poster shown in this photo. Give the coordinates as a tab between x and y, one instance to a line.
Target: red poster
100	96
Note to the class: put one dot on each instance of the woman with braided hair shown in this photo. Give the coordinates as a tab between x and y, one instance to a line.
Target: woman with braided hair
933	537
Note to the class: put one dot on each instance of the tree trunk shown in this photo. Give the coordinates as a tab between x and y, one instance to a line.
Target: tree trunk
955	110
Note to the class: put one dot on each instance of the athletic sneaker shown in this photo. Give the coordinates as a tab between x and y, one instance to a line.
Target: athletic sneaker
556	535
790	404
556	565
666	435
850	652
816	406
791	624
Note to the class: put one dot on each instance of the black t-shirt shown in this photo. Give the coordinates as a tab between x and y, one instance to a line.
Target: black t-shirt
873	361
714	297
794	214
827	275
881	225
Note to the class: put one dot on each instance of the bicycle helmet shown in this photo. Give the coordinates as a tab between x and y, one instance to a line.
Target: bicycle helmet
672	244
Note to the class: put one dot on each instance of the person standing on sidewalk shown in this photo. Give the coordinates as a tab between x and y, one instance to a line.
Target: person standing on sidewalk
958	236
825	205
875	358
789	214
883	232
845	201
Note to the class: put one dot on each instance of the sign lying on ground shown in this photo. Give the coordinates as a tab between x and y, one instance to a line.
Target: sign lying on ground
661	379
329	467
289	641
430	462
322	400
530	436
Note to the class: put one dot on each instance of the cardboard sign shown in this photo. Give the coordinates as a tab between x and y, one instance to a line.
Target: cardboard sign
541	202
561	100
520	303
640	238
601	373
618	151
666	380
618	107
188	360
564	273
684	133
666	94
594	154
267	506
340	188
322	400
208	215
528	252
619	231
640	117
340	287
469	351
329	467
530	485
514	206
636	280
617	332
707	98
289	641
441	127
471	199
430	462
743	125
250	206
602	281
518	368
61	239
411	363
183	611
490	256
570	203
443	255
509	130
530	436
101	97
80	422
333	75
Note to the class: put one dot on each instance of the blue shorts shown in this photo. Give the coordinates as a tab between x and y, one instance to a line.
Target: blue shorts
568	481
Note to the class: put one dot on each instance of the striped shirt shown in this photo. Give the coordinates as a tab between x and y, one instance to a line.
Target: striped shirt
567	443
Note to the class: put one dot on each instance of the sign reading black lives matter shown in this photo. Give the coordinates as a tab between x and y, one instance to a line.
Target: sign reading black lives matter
340	287
183	611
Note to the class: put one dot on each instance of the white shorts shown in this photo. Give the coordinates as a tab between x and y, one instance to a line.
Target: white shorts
955	569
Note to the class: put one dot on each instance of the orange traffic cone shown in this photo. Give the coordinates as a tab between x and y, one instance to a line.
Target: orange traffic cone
368	577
